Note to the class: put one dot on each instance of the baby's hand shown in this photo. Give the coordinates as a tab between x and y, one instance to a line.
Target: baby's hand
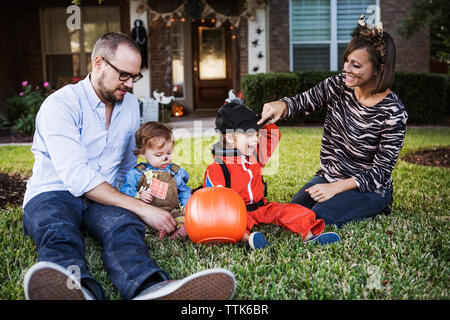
180	233
146	196
162	234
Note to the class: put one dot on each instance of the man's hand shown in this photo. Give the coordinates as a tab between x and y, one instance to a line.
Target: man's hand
157	218
154	217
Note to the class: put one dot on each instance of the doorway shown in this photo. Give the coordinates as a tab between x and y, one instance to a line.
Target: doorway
212	65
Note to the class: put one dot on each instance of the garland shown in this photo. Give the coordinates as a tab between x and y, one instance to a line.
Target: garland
181	12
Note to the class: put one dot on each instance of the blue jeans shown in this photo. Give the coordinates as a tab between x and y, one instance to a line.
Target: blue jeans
344	207
55	220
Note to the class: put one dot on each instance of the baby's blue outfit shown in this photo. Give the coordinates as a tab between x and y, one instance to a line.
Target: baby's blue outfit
132	177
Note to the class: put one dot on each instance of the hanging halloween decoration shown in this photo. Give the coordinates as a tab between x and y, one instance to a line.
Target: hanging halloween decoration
139	35
194	9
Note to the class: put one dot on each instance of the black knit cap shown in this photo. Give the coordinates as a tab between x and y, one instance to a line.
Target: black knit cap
234	116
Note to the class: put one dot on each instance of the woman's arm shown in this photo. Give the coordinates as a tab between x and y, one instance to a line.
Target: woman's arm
274	111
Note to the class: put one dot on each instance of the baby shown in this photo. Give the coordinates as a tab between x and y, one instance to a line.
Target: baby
158	181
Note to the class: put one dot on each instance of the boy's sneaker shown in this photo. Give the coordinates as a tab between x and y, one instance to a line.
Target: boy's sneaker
256	240
324	238
211	284
49	281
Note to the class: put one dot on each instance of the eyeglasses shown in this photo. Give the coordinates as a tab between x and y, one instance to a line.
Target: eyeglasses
124	76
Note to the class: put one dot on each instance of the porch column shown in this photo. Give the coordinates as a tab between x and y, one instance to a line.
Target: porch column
257	42
142	88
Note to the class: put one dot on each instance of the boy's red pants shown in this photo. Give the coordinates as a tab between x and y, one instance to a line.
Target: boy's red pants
290	216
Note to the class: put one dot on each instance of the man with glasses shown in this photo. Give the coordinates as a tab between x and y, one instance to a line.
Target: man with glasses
83	146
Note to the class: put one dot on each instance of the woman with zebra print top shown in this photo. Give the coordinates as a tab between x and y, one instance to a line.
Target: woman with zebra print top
363	133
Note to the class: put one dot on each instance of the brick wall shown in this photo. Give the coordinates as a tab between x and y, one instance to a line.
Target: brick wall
243	46
160	56
9	79
279	36
412	54
20	53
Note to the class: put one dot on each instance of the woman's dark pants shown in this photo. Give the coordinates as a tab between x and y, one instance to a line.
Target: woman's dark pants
344	207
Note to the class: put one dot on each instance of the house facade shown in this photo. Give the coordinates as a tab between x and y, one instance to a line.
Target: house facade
196	50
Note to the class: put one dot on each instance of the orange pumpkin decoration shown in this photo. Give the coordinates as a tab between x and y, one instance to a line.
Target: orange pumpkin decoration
177	109
215	214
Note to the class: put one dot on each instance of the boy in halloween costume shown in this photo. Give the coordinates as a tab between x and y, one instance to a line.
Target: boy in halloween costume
158	182
239	158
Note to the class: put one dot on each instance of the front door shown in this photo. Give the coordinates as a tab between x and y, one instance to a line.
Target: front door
211	65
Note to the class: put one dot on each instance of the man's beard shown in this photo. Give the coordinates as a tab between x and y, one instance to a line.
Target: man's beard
107	94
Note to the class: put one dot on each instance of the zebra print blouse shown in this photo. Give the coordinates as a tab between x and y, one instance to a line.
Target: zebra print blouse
358	141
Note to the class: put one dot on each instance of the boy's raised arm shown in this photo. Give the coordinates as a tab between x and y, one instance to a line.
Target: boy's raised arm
269	138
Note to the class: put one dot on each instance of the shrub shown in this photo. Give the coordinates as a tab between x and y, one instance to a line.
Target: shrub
447	96
22	108
3	121
266	87
261	88
423	94
26	123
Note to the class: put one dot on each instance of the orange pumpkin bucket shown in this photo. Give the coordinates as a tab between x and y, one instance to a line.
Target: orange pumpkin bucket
215	214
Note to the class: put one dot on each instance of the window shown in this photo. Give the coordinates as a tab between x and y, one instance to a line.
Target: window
67	52
321	29
212	53
176	42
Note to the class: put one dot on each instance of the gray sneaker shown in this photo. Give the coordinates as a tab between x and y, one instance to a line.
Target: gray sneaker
49	281
211	284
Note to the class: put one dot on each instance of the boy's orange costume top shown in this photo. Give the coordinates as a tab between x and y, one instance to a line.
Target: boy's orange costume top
245	177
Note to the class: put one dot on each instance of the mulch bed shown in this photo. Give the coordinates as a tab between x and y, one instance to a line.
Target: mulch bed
439	157
8	136
12	189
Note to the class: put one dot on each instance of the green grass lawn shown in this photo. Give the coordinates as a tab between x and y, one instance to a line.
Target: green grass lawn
401	256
